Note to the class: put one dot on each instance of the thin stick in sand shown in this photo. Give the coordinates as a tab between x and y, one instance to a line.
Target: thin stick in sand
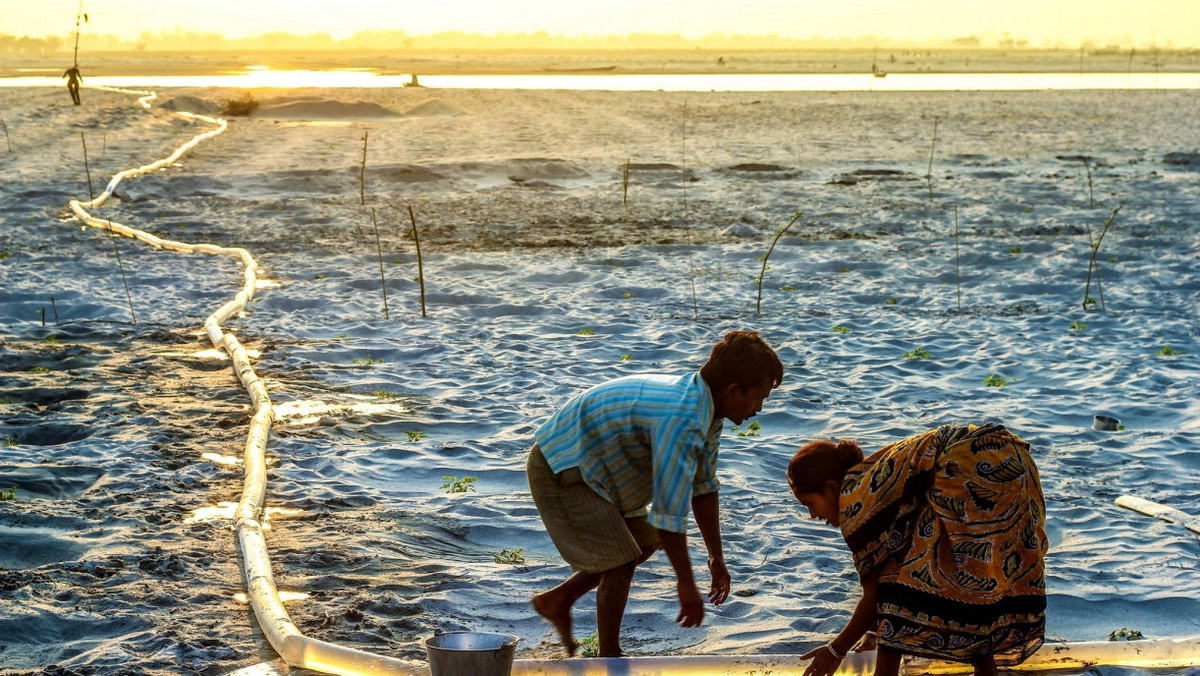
6	138
111	232
929	168
1088	301
379	251
420	263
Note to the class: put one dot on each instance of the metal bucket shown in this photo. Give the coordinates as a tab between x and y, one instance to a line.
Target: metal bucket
471	653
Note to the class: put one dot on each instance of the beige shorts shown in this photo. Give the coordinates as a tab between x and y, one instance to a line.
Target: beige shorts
590	532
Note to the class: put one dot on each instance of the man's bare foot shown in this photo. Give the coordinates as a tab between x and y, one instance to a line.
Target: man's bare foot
560	617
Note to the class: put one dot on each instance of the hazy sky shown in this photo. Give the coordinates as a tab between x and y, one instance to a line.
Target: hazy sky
1165	22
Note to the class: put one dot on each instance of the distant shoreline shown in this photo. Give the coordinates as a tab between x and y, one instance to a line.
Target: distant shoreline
481	62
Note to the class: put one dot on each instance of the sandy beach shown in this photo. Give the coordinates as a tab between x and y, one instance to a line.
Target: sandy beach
569	237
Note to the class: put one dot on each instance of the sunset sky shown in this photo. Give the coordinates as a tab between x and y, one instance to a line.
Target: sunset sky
1069	22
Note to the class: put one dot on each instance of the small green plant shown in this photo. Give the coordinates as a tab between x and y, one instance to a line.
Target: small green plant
627	295
1015	250
52	339
320	276
1169	351
1126	634
39	369
845	270
10	442
456	485
8	493
384	394
510	557
4	255
626	357
919	353
1090	303
752	430
366	361
590	646
414	435
891	301
763	272
788	287
587	332
997	381
1076	326
841	329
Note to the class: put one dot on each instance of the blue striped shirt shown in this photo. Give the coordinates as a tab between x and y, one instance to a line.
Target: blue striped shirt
640	440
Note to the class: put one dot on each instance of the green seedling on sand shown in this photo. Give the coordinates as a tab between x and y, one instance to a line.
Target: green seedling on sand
587	332
511	557
384	394
626	357
39	369
891	301
51	339
9	442
9	493
1015	250
752	430
366	361
414	435
1169	351
788	287
1076	326
762	273
4	255
456	485
320	276
841	329
997	381
1126	634
627	296
590	646
919	353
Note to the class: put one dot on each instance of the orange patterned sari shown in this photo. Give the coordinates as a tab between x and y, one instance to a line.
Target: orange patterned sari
953	521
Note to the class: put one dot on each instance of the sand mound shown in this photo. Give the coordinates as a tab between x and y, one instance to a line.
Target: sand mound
324	110
433	108
192	104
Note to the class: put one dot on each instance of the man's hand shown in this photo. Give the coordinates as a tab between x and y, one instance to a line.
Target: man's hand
720	580
691	605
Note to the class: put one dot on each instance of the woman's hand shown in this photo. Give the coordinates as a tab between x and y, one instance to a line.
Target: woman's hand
720	580
868	642
824	661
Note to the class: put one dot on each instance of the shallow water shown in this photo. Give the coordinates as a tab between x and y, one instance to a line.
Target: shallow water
107	421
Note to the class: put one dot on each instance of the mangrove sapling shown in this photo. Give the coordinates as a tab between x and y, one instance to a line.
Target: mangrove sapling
362	174
379	251
112	233
929	168
762	273
624	184
1087	165
957	267
510	557
1088	301
420	263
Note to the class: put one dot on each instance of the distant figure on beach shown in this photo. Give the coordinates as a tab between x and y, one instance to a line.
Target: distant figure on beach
73	83
638	441
947	531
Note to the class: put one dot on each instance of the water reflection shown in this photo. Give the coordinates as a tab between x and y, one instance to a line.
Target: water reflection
261	77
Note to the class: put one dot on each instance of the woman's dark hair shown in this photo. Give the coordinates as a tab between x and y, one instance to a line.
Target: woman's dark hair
819	461
742	357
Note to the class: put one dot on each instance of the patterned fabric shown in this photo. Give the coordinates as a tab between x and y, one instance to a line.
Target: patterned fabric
953	520
640	440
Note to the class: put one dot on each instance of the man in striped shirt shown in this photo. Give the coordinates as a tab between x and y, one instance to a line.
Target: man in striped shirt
616	471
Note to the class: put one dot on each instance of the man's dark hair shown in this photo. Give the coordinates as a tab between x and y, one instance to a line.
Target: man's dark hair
742	357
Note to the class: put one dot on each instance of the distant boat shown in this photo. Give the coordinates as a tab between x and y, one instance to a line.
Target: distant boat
413	82
596	69
877	72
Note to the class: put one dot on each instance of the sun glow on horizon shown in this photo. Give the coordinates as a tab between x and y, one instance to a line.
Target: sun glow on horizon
1165	23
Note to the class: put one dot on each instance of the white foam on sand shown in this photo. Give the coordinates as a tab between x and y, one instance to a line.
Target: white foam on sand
538	287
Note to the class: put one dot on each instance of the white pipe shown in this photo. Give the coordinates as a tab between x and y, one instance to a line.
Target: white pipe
1159	511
